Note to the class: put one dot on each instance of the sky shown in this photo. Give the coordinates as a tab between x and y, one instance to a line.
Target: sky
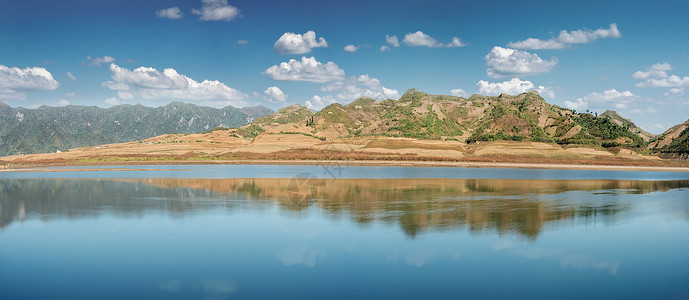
628	56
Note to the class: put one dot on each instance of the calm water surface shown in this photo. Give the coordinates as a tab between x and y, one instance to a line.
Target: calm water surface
222	232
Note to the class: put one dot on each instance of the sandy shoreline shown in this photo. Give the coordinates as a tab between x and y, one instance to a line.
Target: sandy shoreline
75	167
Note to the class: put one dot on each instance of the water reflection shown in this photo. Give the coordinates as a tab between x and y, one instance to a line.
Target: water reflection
524	207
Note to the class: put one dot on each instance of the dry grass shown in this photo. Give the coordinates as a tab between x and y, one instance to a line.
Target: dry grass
222	147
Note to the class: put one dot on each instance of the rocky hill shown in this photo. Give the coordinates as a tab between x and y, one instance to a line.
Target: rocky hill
524	117
673	143
628	124
49	129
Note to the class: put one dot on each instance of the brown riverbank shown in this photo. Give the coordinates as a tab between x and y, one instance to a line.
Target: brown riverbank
219	148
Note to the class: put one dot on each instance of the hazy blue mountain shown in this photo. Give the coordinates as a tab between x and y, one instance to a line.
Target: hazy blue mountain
48	129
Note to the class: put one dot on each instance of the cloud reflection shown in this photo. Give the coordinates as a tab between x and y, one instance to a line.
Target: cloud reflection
218	289
300	254
568	259
172	286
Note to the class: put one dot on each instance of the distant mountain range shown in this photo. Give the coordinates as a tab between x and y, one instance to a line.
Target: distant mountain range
49	129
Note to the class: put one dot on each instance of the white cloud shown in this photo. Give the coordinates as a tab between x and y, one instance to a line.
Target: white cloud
15	82
62	102
456	42
97	61
657	76
149	83
351	48
674	92
216	10
317	102
671	81
504	62
384	48
661	67
362	86
609	99
306	69
274	94
567	38
71	76
514	86
242	42
169	13
458	92
536	44
415	39
350	89
112	101
292	43
392	40
655	71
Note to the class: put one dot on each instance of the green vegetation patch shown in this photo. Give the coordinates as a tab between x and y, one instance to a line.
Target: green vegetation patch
250	131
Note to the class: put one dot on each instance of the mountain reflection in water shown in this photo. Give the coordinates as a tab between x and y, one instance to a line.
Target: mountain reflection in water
524	207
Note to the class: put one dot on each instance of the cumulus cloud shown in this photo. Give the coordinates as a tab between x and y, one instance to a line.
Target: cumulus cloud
97	61
169	13
112	101
149	83
71	76
63	102
656	76
658	70
306	69
674	92
15	82
609	99
318	102
384	48
671	81
216	10
504	62
458	92
350	89
292	43
512	87
392	40
242	42
415	39
274	94
360	86
566	38
351	48
456	42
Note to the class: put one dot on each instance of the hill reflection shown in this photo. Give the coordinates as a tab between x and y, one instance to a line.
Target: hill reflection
524	207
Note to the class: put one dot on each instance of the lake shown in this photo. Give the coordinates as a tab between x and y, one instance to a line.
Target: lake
341	232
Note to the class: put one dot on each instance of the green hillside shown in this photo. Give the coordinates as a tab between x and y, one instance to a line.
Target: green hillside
524	117
673	143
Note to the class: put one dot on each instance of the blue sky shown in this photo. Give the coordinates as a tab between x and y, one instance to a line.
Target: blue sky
629	56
